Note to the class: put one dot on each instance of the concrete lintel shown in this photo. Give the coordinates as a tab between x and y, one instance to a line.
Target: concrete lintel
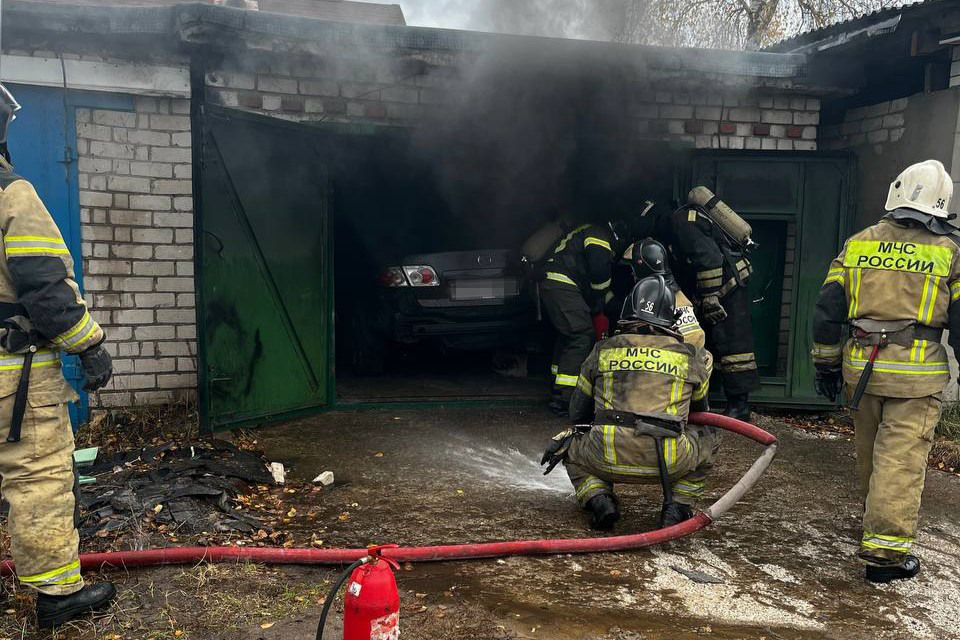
138	79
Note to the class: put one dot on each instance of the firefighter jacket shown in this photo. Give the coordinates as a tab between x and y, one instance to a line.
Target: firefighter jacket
705	260
583	259
687	323
36	281
900	270
650	375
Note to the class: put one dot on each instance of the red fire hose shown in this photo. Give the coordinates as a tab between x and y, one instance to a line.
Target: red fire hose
193	555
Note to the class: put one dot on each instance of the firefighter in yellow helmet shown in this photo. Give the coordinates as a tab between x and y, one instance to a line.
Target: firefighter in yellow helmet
41	316
877	328
637	389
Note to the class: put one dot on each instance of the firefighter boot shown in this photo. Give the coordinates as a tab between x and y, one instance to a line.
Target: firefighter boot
604	510
674	513
738	407
903	571
53	611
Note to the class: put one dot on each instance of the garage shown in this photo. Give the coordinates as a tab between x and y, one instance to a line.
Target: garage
354	264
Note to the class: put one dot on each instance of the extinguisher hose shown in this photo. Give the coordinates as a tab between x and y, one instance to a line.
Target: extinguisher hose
333	594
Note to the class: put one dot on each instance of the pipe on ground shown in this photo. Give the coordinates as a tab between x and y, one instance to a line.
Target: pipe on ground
193	555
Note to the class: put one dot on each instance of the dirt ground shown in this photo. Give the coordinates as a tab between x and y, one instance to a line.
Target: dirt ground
784	556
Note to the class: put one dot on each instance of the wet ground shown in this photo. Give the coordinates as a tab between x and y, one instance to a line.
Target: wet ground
784	555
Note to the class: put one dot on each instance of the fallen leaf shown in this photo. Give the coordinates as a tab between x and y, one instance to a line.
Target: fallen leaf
158	508
378	454
344	516
267	625
616	573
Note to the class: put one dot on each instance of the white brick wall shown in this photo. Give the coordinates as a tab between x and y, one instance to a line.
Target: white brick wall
137	216
871	125
714	121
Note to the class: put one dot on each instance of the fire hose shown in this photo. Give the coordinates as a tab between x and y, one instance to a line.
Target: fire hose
193	555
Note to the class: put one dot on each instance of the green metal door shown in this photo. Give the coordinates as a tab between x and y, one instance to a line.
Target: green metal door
799	207
264	277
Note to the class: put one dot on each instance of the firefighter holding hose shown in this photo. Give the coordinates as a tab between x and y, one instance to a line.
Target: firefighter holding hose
41	316
877	333
636	389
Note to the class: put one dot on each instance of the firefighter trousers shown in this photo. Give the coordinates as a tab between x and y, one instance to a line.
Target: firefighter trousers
731	342
893	437
570	316
38	482
609	454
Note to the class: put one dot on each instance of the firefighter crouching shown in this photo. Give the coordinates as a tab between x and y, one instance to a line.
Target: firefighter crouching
636	389
649	258
43	315
575	288
877	330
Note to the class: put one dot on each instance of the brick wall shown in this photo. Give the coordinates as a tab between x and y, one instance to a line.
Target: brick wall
736	120
874	124
137	220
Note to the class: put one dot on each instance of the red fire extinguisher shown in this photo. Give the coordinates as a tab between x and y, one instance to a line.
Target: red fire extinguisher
371	606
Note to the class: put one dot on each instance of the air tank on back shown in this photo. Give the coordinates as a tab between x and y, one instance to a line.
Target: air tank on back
735	227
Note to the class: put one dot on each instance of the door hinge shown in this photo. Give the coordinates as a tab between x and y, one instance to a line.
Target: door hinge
69	155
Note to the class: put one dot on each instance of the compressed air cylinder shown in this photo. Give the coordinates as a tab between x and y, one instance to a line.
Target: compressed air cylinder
722	215
543	239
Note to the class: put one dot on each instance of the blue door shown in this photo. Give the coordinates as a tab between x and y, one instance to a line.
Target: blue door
42	146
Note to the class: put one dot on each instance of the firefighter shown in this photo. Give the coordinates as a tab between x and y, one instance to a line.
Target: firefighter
649	258
43	316
897	285
709	262
637	389
573	294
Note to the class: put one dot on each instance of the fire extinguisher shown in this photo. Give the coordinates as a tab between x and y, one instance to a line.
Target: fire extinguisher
371	606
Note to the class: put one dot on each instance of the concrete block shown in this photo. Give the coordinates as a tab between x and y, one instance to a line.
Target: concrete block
183	203
94	165
152	169
154	332
675	127
753	143
152	398
181	139
150	203
186	300
708	113
173	187
681	98
876	137
144	104
107	267
313	105
319	87
95	199
112	150
871	124
175	284
121	167
152	268
274	84
128	183
153	236
131	285
176	219
114	118
185	268
879	109
784	144
122	234
813	104
177	381
804	118
182	172
142	154
187	332
173	349
152	138
179	106
781	102
133	316
94	132
101	250
798	103
170	123
186	365
893	121
271	103
97	232
804	145
171	154
127	349
155	301
231	79
174	252
809	133
896	134
155	365
899	104
776	117
130	251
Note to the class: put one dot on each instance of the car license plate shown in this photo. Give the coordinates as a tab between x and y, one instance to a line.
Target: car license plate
484	288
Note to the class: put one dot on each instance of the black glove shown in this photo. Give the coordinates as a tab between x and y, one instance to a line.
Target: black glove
713	311
828	381
97	367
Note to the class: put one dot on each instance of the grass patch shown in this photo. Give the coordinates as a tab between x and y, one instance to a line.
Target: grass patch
949	425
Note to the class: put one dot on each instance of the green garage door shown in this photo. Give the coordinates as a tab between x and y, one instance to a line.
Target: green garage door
264	276
799	207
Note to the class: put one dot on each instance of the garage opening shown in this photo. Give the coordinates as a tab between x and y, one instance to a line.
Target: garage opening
432	300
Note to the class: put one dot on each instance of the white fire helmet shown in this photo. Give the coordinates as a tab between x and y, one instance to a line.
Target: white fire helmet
8	111
925	187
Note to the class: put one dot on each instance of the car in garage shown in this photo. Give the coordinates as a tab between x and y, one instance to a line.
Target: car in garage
464	300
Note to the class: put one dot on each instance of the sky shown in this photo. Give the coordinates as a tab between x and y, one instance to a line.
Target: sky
448	14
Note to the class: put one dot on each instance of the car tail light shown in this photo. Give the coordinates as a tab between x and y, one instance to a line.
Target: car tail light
392	277
422	276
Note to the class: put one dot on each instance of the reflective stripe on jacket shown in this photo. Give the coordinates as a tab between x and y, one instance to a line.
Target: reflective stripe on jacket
583	258
893	271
